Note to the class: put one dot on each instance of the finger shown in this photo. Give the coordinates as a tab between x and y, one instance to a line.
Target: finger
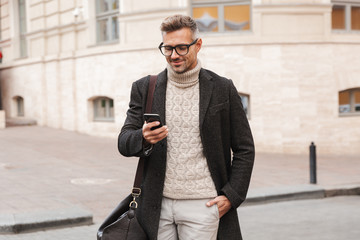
147	129
221	203
157	138
163	134
156	135
215	200
159	130
211	202
150	125
220	206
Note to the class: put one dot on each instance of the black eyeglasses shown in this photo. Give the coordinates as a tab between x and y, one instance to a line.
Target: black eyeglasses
181	49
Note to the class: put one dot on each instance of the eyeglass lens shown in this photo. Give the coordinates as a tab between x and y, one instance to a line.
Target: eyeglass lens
180	50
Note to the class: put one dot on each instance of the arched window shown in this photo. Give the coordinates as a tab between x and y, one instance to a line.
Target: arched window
19	102
103	109
349	101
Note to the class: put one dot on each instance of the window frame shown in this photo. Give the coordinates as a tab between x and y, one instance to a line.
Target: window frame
347	13
22	27
108	117
221	14
352	103
19	106
108	16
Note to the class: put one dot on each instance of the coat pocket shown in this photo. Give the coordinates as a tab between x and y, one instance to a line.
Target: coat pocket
218	108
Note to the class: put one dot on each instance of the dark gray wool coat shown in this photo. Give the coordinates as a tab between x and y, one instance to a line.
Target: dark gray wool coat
223	127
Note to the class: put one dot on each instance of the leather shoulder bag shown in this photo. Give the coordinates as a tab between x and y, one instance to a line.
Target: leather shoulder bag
122	223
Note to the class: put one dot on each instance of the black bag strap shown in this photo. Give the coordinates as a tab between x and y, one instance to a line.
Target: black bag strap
136	191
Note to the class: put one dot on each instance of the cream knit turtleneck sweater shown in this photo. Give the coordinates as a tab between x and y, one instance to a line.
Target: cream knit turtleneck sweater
187	172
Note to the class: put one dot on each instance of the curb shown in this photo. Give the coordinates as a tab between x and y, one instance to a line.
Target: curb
348	190
302	192
24	222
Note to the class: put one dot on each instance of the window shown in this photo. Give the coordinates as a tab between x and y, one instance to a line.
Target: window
338	17
355	18
22	28
103	109
19	101
245	100
346	16
349	101
222	16
107	26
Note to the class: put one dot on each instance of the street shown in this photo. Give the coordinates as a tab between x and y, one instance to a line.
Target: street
336	218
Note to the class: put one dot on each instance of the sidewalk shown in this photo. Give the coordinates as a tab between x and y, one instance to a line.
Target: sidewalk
44	170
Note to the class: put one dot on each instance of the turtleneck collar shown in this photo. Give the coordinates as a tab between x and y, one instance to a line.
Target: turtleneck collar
186	79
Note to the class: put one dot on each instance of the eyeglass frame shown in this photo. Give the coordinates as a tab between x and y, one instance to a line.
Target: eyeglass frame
172	48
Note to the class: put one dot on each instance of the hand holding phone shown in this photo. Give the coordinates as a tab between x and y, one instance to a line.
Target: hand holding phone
154	134
153	117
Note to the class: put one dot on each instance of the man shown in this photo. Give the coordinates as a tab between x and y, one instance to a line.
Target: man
191	186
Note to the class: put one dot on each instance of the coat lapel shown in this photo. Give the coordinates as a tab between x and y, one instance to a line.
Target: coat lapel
206	88
159	96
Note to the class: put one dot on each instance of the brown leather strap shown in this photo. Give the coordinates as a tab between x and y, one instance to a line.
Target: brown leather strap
140	168
150	94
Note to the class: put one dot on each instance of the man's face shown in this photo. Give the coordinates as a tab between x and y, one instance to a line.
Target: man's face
181	64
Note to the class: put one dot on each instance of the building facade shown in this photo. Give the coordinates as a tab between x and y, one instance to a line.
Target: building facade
70	64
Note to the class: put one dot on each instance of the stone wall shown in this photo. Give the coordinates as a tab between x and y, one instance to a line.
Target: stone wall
291	65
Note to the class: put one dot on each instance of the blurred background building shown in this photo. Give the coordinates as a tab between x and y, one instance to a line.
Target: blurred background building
69	64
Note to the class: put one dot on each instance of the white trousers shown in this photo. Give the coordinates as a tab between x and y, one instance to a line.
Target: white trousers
188	219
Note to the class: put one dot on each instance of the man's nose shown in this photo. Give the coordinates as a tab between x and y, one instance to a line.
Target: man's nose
174	54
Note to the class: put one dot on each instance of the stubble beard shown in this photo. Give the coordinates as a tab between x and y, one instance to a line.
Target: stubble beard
179	69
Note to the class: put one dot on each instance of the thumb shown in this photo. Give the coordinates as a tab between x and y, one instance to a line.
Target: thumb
210	203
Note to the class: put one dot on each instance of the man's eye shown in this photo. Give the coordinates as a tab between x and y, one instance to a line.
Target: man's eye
181	48
168	48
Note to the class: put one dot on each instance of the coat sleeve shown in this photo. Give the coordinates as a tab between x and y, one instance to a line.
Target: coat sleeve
130	140
243	149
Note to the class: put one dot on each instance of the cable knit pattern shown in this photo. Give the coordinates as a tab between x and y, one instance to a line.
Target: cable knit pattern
187	172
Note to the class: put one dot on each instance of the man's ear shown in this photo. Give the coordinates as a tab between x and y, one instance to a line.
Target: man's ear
198	44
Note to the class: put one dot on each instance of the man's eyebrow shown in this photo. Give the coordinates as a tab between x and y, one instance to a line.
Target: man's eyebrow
166	45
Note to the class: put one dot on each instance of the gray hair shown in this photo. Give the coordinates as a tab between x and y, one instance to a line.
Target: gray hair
177	22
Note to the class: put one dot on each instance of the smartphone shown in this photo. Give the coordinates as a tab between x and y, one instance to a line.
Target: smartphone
152	117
